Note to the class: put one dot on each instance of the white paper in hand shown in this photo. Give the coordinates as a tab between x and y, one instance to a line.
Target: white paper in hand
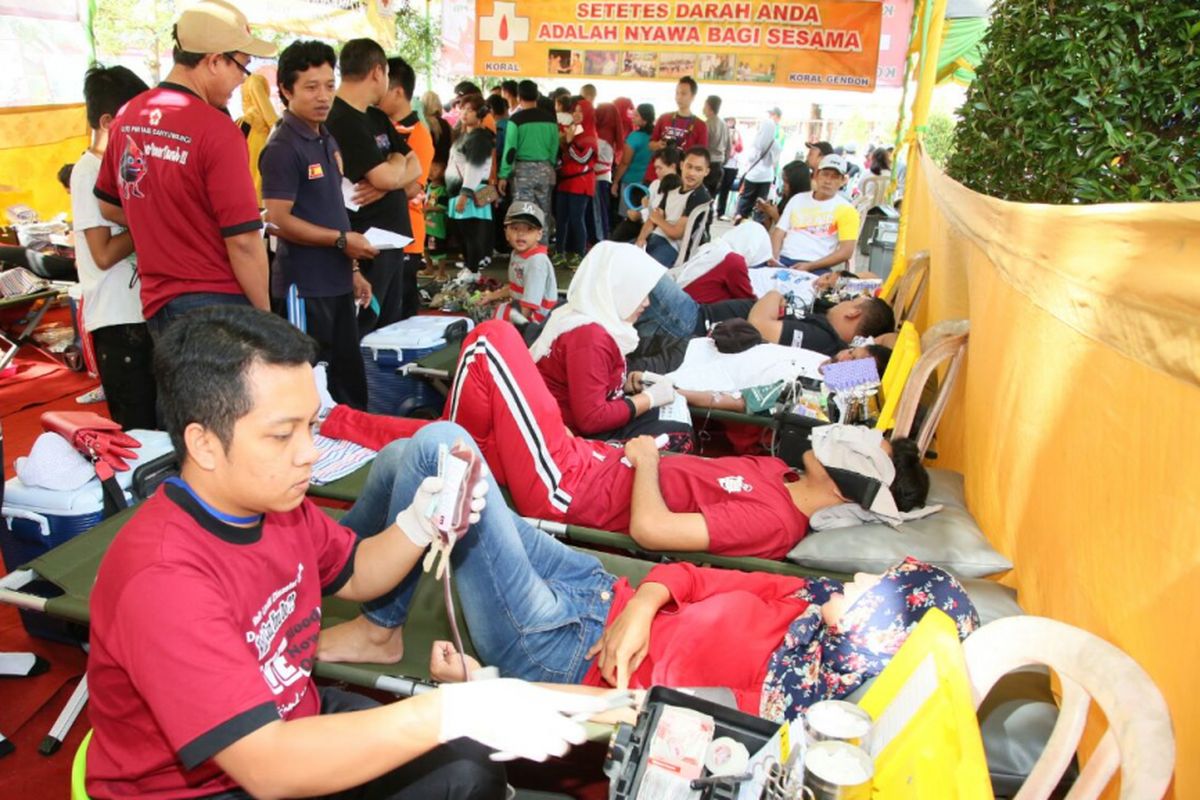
386	240
677	411
348	195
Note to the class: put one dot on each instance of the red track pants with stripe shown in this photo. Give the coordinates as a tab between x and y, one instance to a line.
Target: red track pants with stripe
499	397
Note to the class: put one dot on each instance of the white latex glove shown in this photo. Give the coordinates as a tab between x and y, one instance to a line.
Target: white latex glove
416	520
661	392
515	718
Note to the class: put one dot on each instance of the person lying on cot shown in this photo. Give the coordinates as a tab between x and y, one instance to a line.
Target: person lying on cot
720	270
753	506
207	607
673	313
581	351
734	370
540	610
779	644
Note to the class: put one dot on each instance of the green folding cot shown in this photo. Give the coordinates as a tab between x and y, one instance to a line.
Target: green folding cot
349	488
71	568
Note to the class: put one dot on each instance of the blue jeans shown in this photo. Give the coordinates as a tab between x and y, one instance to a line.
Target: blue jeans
600	208
176	307
661	250
671	311
533	605
571	213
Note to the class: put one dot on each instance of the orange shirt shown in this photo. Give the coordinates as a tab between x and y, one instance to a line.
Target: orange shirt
415	132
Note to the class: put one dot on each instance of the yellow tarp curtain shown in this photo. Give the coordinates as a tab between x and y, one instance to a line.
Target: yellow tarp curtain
34	144
1075	425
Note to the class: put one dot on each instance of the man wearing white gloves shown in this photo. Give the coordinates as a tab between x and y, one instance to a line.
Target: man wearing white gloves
206	612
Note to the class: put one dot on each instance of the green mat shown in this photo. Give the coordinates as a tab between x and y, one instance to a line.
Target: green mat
72	568
347	489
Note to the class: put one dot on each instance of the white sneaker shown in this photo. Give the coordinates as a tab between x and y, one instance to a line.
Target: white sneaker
94	396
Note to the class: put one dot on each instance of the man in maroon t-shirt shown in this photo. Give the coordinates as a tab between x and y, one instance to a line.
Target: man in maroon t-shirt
680	129
206	610
177	174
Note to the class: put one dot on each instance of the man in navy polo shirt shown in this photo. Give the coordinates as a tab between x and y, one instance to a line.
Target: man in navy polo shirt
379	162
177	174
301	169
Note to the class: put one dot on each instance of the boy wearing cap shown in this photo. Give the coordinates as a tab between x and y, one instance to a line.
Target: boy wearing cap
817	230
532	289
177	174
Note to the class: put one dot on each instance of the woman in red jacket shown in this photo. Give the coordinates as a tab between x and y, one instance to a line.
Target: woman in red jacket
576	179
581	352
778	644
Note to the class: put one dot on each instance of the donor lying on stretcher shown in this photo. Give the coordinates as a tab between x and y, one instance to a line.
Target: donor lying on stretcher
745	505
540	610
735	370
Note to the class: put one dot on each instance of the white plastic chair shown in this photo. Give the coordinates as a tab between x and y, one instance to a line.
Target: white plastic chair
872	191
951	349
907	293
1139	740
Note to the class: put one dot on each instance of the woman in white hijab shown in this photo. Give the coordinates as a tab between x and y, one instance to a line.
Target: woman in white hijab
719	271
581	351
749	241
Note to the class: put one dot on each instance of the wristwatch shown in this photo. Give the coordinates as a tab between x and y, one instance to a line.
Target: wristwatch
340	242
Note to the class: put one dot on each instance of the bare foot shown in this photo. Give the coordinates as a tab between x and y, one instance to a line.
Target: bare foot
361	641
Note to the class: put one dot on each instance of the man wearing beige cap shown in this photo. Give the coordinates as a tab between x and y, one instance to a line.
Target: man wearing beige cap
177	174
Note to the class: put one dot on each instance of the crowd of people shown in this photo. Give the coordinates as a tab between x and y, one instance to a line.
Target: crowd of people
206	611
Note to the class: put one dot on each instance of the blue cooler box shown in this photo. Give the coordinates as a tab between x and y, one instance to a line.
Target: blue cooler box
41	519
403	343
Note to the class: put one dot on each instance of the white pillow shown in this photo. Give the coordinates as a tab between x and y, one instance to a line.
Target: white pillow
949	539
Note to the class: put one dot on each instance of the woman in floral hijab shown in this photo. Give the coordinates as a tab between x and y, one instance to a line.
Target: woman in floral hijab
848	634
778	643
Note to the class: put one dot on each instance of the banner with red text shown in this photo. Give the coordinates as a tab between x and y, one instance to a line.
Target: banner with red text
826	44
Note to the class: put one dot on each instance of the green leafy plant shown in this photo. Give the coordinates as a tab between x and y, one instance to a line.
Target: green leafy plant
419	39
135	26
939	138
1081	101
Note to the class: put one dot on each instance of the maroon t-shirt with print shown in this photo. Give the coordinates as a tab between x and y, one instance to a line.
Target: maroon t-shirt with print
202	633
682	133
180	171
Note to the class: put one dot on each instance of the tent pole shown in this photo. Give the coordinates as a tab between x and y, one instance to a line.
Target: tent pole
927	80
428	53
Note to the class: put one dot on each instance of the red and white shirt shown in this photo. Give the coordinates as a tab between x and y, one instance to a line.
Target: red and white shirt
180	170
202	633
533	284
744	500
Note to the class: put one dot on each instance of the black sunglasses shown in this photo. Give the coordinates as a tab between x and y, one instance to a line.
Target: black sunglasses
239	64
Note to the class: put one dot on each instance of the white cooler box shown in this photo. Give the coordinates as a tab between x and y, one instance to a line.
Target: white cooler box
41	519
403	343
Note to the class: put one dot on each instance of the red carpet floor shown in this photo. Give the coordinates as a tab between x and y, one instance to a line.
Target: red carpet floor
29	706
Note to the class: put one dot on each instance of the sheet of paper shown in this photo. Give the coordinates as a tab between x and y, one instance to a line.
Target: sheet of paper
348	195
386	240
676	412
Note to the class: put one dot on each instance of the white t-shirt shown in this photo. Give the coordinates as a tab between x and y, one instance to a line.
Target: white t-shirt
705	369
112	296
814	227
678	206
604	161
